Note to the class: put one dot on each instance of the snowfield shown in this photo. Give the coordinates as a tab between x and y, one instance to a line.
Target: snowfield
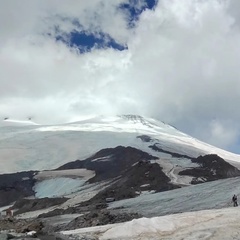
210	195
27	146
201	225
57	187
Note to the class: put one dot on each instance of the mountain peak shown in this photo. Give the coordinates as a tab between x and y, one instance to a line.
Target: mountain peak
131	117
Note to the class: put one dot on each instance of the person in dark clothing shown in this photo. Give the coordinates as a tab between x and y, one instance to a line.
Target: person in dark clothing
234	200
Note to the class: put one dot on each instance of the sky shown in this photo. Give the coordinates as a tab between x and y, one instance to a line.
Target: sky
176	61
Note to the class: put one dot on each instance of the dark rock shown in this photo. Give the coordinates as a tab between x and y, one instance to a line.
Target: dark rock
117	160
158	148
58	211
211	167
103	217
144	176
36	226
14	186
25	205
145	138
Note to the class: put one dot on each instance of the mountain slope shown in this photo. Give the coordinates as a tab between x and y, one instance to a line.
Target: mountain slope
38	147
78	168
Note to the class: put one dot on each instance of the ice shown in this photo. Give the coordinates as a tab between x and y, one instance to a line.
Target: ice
57	187
210	195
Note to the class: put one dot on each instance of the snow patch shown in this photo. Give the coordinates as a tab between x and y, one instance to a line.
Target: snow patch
57	187
15	122
70	173
201	225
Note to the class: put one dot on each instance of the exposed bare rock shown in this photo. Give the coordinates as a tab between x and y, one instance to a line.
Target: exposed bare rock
103	217
144	176
25	205
14	186
36	226
21	225
211	167
110	162
156	147
21	229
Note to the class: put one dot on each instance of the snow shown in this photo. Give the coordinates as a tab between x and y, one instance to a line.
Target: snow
91	230
73	173
85	193
171	168
31	233
210	195
5	207
218	224
199	225
145	185
39	147
191	220
102	159
61	183
27	146
36	213
57	187
15	122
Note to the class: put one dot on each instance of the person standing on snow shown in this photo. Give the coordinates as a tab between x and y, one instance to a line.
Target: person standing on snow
234	200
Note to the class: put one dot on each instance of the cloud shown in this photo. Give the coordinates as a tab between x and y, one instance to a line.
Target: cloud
181	65
35	17
186	57
221	133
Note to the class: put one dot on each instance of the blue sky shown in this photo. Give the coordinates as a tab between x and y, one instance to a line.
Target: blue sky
85	40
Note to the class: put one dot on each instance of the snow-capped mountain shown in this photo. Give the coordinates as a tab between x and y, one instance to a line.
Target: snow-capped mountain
25	145
77	168
141	153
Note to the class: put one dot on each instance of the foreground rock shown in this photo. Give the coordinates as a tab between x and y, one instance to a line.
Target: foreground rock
21	225
97	218
27	229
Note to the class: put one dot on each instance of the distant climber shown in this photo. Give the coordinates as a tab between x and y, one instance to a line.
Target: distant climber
234	200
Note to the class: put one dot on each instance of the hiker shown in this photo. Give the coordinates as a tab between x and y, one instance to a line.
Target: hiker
234	200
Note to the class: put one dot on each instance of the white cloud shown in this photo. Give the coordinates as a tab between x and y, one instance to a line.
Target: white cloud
181	65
